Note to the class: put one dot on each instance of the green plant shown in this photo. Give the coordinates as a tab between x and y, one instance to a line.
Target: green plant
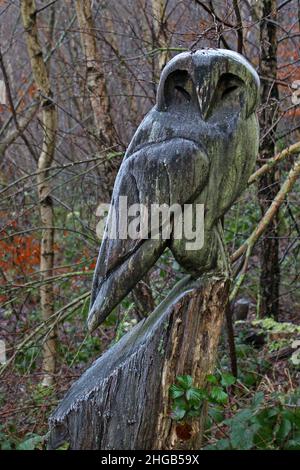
260	426
187	400
9	441
6	442
295	358
31	442
26	361
252	365
272	326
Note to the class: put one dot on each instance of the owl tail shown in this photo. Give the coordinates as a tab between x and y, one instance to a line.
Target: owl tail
122	280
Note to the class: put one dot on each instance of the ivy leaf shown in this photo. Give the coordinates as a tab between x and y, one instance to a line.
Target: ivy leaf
217	394
176	391
185	381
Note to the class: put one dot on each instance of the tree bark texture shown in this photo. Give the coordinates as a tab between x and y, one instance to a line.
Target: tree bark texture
269	183
99	96
49	124
160	33
122	401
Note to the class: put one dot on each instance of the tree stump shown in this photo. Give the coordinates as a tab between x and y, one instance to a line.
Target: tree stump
122	401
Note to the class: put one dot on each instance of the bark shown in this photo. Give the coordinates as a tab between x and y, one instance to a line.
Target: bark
293	149
239	26
98	93
49	120
159	11
122	401
269	182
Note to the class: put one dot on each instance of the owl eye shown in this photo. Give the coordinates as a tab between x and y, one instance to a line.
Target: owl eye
179	91
228	91
227	85
228	97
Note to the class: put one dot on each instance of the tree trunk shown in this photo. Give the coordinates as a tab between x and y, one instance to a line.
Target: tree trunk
41	78
269	183
122	401
159	27
99	97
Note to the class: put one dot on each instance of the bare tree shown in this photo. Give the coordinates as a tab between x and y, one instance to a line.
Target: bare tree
98	93
49	128
269	183
159	29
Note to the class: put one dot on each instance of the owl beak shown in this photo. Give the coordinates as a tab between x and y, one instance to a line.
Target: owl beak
204	100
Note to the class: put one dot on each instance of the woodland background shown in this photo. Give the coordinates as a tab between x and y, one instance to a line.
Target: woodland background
76	78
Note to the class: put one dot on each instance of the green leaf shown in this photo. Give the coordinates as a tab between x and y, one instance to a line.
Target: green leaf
162	273
195	395
5	445
64	446
227	379
221	444
242	437
241	417
264	436
176	391
30	444
217	394
292	416
181	402
178	413
292	444
284	429
185	381
212	379
295	358
250	379
257	399
193	413
216	414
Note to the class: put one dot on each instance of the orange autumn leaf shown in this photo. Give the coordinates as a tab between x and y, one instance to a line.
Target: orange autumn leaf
32	90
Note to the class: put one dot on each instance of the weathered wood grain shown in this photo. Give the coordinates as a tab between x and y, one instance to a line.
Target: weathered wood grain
122	400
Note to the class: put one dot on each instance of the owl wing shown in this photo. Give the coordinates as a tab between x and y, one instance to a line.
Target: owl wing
170	172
